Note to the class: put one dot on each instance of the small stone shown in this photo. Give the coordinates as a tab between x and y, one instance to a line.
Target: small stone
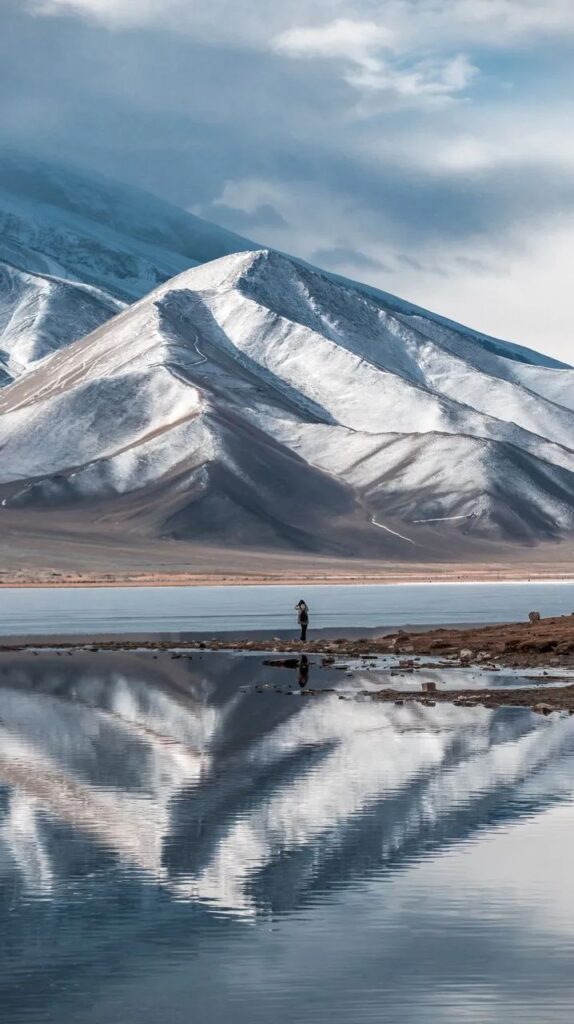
282	662
534	616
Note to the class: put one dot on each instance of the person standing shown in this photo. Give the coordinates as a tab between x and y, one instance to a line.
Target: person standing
303	618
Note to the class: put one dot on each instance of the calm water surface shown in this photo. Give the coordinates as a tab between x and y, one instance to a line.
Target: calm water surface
220	609
179	844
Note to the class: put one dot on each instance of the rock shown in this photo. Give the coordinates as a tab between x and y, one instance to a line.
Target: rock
483	656
465	654
429	687
407	663
282	662
399	703
534	616
543	709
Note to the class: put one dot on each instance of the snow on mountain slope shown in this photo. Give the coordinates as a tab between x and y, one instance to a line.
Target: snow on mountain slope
62	222
59	229
546	378
383	341
56	222
254	399
39	314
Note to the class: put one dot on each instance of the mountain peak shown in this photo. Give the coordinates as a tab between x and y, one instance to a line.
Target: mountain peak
253	400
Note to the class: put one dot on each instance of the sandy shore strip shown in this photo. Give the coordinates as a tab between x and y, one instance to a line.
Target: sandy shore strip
472	575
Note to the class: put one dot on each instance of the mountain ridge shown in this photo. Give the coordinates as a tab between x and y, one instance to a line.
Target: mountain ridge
60	221
253	400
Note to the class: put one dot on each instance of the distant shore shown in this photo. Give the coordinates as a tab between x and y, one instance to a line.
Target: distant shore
61	581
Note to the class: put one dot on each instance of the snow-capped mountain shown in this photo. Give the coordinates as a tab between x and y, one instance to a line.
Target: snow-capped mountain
87	228
255	400
60	228
60	225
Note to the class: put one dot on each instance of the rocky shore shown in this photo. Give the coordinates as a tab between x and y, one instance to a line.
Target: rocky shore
543	700
545	645
544	642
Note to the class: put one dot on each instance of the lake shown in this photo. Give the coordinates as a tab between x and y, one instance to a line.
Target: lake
210	610
179	844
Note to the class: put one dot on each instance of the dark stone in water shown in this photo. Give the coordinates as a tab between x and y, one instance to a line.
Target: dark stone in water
282	662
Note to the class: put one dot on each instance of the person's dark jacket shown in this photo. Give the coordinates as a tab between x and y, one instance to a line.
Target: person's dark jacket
303	615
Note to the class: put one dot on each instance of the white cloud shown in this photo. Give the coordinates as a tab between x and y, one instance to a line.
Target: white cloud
432	23
433	81
375	187
510	16
357	41
505	137
518	293
248	194
493	23
114	12
369	64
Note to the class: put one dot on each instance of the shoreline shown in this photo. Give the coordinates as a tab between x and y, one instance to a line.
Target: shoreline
271	580
546	644
546	641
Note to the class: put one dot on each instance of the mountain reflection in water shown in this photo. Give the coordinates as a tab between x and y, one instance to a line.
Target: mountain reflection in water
172	838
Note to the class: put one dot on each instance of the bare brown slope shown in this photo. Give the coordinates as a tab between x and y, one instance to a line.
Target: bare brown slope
115	543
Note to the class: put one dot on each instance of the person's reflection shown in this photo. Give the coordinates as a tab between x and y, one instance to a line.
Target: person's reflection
303	671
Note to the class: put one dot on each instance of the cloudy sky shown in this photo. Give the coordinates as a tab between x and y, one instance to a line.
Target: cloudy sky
424	146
